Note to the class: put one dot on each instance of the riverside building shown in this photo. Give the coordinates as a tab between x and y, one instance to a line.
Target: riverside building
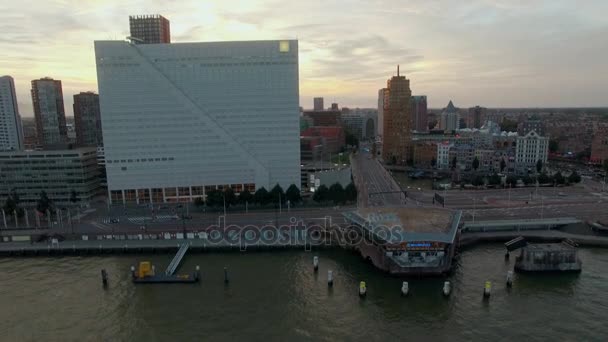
182	119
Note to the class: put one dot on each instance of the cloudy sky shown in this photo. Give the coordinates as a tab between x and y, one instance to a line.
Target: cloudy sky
495	53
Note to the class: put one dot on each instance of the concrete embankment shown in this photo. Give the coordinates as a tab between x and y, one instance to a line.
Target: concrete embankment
162	242
468	240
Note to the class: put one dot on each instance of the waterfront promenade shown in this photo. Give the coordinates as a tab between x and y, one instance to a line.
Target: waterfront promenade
268	239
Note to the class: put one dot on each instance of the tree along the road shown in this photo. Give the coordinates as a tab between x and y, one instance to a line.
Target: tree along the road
574	178
475	163
245	197
44	203
503	165
433	162
215	198
478	181
512	181
539	166
12	204
293	194
454	162
229	197
351	192
494	179
73	197
199	202
15	197
321	194
336	193
351	139
528	180
558	178
543	178
277	194
9	205
261	196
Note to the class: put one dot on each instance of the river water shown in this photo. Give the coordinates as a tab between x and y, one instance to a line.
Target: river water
277	296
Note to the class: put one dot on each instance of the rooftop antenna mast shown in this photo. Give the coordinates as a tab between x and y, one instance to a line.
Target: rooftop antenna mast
397	70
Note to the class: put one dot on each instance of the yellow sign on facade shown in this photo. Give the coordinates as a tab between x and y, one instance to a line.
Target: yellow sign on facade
284	46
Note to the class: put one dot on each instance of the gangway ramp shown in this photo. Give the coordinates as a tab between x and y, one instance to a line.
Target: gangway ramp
177	259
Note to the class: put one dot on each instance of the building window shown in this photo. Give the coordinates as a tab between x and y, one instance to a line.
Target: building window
157	195
184	191
170	192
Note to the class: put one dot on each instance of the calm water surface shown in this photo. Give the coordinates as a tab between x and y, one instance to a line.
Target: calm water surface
277	296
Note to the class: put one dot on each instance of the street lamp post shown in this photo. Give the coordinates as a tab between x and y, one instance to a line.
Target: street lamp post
541	207
183	217
474	207
27	220
71	221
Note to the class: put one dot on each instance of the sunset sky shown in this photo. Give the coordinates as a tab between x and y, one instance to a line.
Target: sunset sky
494	53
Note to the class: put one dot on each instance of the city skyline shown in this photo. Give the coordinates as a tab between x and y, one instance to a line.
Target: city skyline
485	52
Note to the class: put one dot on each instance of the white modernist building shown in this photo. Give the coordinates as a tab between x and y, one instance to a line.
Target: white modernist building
181	119
11	132
443	155
530	149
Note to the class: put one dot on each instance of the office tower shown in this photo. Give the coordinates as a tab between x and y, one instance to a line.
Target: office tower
420	118
381	111
396	120
477	117
47	98
450	118
150	29
182	119
11	131
318	103
87	119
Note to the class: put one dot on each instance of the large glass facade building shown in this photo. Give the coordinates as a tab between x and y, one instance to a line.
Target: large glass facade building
182	119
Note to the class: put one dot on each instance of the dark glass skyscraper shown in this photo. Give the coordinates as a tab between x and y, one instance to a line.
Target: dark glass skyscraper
47	98
87	119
